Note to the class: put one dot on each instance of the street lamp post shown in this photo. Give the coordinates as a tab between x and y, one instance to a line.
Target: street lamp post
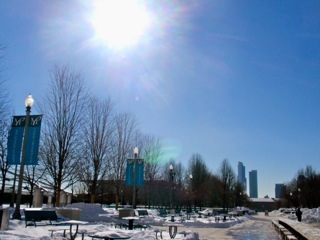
135	152
299	197
29	103
291	199
171	174
191	189
13	187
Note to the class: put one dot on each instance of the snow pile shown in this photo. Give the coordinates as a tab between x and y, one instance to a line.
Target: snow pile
311	215
308	215
92	212
104	219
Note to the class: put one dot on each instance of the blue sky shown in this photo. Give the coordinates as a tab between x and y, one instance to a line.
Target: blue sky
225	79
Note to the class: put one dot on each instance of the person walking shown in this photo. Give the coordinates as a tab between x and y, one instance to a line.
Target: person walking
299	214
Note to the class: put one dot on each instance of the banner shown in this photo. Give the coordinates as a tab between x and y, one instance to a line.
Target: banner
15	140
139	172
33	140
129	172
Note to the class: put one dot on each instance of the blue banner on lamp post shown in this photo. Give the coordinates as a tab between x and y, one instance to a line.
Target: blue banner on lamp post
15	140
33	140
139	172
129	172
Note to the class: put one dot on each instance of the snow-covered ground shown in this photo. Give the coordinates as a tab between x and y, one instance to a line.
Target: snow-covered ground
308	215
103	219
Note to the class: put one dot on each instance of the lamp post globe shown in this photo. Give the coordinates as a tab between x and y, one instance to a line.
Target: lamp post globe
28	103
136	151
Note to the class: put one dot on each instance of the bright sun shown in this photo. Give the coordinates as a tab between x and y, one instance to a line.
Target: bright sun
120	23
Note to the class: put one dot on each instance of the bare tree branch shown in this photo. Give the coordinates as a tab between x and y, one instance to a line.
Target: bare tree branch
97	136
63	106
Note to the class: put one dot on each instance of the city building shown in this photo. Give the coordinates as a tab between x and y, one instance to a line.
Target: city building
262	204
279	190
242	175
253	184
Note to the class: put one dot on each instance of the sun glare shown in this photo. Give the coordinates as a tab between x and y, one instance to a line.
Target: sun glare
120	23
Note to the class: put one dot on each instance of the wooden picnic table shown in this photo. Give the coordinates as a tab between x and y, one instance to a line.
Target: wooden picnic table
71	223
109	235
173	229
130	221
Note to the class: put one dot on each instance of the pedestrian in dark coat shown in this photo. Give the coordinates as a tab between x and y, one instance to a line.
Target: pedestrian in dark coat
299	214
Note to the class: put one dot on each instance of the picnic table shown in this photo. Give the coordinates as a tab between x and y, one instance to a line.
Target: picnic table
71	223
109	235
173	229
130	221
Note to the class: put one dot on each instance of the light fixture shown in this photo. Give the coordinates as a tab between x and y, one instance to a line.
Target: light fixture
29	101
135	151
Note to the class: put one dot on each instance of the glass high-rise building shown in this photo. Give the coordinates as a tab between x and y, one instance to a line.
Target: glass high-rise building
279	190
253	184
242	175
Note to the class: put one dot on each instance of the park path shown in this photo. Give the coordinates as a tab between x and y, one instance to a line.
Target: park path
256	228
259	227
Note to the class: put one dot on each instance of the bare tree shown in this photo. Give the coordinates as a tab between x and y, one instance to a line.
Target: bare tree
4	100
32	178
228	182
63	107
4	127
122	149
151	151
200	177
303	190
4	166
97	136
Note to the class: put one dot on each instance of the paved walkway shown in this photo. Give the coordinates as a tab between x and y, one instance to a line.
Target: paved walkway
258	228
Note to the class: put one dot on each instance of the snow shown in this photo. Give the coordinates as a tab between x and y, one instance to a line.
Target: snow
308	215
104	219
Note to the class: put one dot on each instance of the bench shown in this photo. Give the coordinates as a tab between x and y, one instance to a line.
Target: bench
143	213
140	226
184	233
122	225
32	216
163	212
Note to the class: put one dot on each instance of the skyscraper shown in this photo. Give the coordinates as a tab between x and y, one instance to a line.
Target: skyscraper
242	175
253	182
279	190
